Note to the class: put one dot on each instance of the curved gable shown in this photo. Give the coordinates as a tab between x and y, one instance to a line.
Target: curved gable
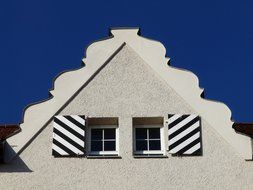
185	84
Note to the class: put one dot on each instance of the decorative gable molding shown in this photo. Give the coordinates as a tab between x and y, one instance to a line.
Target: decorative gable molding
185	83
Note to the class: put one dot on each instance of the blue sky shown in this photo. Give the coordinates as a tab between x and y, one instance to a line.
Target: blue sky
39	39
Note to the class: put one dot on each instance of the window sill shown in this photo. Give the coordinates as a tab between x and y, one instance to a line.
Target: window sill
103	157
150	156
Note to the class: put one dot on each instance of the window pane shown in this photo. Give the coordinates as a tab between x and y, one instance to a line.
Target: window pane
96	146
109	133
109	145
140	133
154	145
96	134
141	145
154	133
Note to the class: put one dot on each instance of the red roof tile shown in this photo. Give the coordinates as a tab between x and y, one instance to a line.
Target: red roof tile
245	128
7	131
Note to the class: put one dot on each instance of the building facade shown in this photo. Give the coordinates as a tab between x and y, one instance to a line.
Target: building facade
127	120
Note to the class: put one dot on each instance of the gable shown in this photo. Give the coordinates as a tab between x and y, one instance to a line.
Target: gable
68	85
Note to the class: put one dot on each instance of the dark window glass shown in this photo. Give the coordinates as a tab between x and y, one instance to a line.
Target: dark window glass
109	133
141	145
141	133
154	145
103	140
96	134
96	146
109	145
150	142
154	133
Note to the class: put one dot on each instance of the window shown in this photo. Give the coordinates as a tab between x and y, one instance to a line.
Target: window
103	139
148	136
147	139
103	136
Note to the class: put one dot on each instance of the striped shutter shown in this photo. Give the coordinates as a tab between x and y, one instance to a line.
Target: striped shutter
184	134
69	135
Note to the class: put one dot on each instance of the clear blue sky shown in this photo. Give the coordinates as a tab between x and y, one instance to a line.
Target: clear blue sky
39	39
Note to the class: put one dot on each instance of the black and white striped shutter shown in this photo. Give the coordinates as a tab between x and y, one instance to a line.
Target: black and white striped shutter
184	134
69	135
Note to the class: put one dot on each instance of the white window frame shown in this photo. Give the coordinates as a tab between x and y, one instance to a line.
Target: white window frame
152	152
100	153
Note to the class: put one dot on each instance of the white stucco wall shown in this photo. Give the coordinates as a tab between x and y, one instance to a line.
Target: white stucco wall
128	88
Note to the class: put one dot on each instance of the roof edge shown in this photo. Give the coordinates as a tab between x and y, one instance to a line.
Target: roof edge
244	128
8	130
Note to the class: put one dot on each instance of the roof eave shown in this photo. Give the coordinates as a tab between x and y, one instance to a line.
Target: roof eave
8	130
244	128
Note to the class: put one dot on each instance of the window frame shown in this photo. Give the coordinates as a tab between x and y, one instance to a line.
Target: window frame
103	153
150	152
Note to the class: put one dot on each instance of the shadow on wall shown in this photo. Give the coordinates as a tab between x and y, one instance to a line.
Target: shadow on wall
15	165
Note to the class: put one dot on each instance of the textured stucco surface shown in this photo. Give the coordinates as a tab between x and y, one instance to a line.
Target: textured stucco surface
125	88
